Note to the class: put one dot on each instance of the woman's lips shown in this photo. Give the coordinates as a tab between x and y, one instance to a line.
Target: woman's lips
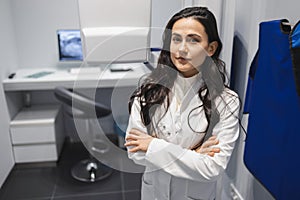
183	60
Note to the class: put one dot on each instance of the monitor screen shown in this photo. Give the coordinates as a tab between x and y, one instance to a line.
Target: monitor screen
69	45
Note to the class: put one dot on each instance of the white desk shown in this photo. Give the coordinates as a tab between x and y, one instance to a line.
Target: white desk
42	88
104	79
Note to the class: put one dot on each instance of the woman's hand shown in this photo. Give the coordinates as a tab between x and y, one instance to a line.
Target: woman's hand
206	147
139	140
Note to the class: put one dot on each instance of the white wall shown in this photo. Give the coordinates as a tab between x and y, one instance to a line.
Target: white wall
8	57
248	15
36	23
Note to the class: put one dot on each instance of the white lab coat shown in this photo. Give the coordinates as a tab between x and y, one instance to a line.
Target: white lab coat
173	170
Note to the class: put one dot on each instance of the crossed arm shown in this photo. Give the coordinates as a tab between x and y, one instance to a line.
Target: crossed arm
202	164
140	141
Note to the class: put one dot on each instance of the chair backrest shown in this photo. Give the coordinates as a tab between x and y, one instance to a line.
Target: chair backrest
80	105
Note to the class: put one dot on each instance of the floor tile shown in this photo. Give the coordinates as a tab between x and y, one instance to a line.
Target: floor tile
132	181
67	185
107	196
30	183
49	181
132	195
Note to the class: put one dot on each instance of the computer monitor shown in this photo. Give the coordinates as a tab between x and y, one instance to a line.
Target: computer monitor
69	45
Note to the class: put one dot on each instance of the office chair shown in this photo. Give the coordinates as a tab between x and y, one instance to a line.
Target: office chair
82	107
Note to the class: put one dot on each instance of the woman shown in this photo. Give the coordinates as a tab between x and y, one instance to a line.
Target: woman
179	105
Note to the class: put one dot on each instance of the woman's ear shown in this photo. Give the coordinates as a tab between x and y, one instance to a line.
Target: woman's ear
212	47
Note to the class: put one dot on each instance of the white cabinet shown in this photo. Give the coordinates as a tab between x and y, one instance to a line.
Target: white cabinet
37	134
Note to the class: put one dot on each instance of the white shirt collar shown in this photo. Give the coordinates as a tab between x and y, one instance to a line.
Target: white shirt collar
183	85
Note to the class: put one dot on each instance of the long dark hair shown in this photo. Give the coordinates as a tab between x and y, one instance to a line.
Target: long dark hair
155	88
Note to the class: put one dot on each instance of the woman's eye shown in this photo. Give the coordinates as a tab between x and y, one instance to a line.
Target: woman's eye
192	40
176	39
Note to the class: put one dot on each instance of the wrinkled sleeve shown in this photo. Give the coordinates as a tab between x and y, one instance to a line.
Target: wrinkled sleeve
184	163
135	121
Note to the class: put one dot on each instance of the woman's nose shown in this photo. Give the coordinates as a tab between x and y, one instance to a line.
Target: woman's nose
183	47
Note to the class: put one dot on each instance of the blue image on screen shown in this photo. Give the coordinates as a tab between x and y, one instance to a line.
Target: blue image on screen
69	44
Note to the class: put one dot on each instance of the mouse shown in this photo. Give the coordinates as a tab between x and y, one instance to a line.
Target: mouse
12	75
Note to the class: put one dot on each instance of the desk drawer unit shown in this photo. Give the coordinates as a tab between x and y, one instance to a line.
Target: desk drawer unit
37	134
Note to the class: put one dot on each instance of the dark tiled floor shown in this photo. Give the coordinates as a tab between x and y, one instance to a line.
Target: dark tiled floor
53	181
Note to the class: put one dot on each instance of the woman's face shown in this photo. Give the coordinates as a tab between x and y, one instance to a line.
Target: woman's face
189	46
